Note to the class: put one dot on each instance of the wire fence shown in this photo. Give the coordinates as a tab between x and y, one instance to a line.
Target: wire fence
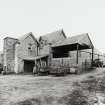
85	60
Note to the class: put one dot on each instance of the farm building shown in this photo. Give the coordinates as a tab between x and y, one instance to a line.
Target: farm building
77	51
46	41
69	52
51	50
72	51
19	53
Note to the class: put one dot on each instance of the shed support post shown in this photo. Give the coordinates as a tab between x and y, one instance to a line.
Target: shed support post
50	55
77	54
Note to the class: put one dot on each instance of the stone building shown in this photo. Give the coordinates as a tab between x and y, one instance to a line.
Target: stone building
19	53
53	49
9	53
46	41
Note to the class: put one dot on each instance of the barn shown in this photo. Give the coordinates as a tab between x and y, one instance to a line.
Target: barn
46	41
51	50
73	51
19	53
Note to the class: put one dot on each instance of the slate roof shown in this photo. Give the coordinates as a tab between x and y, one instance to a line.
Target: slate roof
23	37
54	36
51	38
82	39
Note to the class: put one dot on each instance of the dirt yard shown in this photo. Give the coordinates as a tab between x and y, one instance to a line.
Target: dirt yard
15	88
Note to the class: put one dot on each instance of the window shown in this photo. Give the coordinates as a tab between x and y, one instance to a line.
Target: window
41	44
30	48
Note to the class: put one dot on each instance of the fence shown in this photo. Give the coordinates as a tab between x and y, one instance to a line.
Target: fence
71	63
84	60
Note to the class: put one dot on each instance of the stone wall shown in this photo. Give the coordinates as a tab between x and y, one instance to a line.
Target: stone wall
9	53
27	48
1	58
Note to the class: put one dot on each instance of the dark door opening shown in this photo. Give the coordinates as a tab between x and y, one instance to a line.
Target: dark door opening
28	66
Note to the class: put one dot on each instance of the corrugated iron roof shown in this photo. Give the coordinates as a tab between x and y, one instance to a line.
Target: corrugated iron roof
82	39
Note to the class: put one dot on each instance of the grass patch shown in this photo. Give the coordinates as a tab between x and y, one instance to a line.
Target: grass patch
47	90
44	100
76	97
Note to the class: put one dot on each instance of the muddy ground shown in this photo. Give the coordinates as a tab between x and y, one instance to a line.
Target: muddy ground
16	88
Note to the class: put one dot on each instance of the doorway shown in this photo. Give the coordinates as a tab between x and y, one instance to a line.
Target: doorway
28	66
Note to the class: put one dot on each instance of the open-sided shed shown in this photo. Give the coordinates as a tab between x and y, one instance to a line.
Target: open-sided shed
75	43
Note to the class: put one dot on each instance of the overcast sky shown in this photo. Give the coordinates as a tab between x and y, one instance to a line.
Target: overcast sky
18	17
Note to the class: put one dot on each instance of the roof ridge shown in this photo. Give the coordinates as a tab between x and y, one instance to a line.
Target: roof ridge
26	35
11	38
52	32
